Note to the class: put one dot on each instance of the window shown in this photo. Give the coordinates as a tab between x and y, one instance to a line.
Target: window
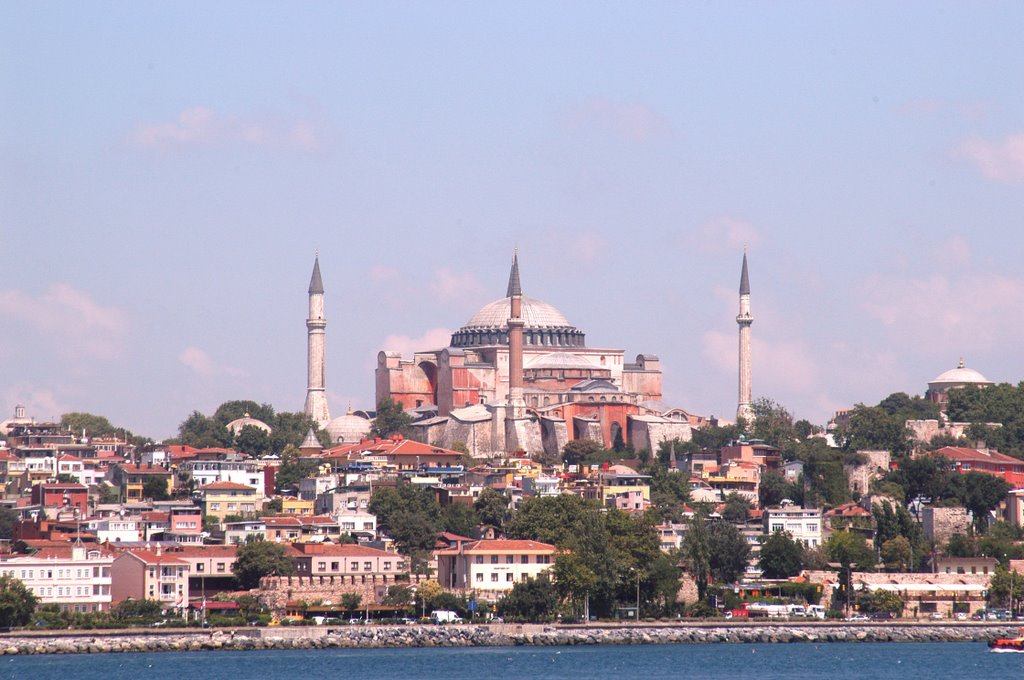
321	566
479	577
221	568
494	577
510	576
509	559
525	559
368	566
355	566
778	527
494	559
335	566
200	567
479	559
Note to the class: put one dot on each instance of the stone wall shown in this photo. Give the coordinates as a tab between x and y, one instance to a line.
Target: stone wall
275	591
941	523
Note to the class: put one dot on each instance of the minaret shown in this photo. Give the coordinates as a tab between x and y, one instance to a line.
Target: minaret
515	339
744	319
316	326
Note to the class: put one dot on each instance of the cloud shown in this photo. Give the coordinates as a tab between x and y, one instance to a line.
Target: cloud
432	339
203	365
588	246
40	403
784	366
948	312
633	121
1002	161
723	235
201	125
380	273
80	327
451	286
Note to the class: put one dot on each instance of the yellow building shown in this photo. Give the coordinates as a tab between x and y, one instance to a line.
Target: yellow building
221	499
296	506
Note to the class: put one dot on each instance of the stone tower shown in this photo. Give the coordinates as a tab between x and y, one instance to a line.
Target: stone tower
316	327
744	319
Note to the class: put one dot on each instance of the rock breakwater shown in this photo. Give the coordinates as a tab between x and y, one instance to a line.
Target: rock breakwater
69	642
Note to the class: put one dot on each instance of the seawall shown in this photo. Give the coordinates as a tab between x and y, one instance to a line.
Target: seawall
96	642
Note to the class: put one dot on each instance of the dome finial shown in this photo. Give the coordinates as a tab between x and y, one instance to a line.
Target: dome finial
961	364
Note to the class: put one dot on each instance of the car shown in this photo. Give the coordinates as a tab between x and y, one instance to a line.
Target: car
936	616
858	617
960	616
408	622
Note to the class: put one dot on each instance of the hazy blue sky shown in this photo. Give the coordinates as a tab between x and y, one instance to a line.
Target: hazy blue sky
167	170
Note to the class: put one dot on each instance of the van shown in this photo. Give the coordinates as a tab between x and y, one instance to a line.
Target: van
445	616
815	611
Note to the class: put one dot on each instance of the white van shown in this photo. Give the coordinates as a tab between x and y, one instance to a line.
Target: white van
815	611
445	616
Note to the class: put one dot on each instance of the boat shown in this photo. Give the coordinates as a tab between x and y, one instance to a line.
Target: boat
1008	644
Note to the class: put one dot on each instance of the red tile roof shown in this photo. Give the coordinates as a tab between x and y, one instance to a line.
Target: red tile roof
502	546
226	486
966	455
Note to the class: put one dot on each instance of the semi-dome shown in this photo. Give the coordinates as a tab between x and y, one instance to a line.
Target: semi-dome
961	375
543	325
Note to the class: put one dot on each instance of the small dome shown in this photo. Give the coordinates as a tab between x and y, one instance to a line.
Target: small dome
236	425
348	429
959	376
556	360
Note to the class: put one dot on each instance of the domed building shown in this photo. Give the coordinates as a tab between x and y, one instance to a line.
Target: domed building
236	425
954	378
348	429
568	390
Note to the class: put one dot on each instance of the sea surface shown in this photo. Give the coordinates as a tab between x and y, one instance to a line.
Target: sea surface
833	661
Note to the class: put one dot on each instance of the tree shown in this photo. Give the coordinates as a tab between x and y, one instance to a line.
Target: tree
233	410
896	554
460	519
850	549
492	507
391	419
999	589
412	517
737	508
201	432
92	425
729	552
578	451
618	444
670	489
981	494
257	559
292	469
290	429
696	552
253	440
351	601
155	488
773	489
8	520
880	601
17	602
873	428
137	611
781	556
535	599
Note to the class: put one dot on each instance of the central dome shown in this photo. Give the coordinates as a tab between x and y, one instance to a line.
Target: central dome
543	324
536	314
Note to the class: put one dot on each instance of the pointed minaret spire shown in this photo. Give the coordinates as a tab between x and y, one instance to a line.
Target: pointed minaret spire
744	278
316	284
513	277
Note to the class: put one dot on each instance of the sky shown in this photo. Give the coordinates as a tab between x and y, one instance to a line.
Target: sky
169	169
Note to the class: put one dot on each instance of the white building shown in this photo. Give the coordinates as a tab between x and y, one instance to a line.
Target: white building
803	524
247	472
491	567
76	577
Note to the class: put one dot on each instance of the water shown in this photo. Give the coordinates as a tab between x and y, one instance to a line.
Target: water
835	661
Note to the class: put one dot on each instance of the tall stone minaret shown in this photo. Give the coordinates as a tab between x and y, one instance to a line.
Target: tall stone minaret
515	339
316	326
744	319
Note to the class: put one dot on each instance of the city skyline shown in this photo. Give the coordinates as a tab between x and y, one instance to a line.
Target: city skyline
169	173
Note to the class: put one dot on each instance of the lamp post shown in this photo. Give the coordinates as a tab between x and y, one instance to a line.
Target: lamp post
638	595
413	590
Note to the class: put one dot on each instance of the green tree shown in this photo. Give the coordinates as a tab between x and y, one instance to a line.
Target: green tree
492	507
460	519
981	494
202	432
579	451
292	469
670	490
873	428
880	601
850	549
535	599
233	410
351	601
781	556
8	520
92	425
253	440
696	553
412	517
773	489
896	554
17	602
155	488
391	419
290	429
737	508
729	552
137	612
999	589
257	559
